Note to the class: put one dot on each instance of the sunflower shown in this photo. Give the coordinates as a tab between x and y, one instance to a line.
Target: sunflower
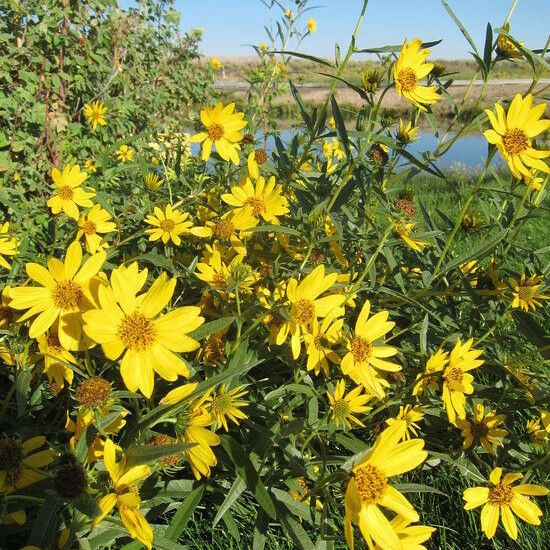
125	495
535	431
483	429
305	306
90	166
311	25
95	114
344	407
404	230
232	225
409	68
8	245
125	153
226	404
69	195
406	133
436	363
19	464
502	500
409	416
215	63
170	224
526	292
222	130
92	225
321	341
368	489
152	181
512	134
7	313
363	354
263	199
145	340
457	381
56	359
410	536
64	294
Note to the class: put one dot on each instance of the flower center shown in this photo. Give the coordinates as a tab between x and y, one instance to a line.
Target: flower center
167	225
515	141
160	440
526	293
479	430
304	311
67	295
500	494
215	132
340	410
11	454
257	204
371	483
214	350
224	229
260	156
93	392
65	193
220	281
407	79
454	375
137	332
361	349
321	341
6	314
53	343
89	228
220	404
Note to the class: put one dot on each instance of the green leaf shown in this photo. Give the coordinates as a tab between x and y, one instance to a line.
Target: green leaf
44	526
395	48
147	454
184	514
460	26
305	115
340	125
313	58
488	49
417	488
274	229
210	328
296	531
233	494
248	473
260	531
424	333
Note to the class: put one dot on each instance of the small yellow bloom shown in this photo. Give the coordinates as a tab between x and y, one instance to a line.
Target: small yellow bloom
56	359
311	25
226	404
409	416
95	223
69	195
344	407
90	166
8	244
406	133
95	114
483	429
404	230
502	500
535	430
320	342
526	292
263	47
152	181
125	153
215	63
170	224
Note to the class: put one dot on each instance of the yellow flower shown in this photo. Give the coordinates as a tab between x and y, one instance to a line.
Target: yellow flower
229	224
7	313
410	536
222	130
457	381
409	68
505	47
69	195
152	181
512	134
170	224
403	230
263	199
483	429
90	166
504	500
368	488
263	47
225	405
95	113
334	242
534	182
8	245
409	416
215	63
436	363
311	25
125	153
19	464
135	330
56	358
300	492
333	153
406	134
363	354
321	341
344	407
289	14
94	223
191	427
125	495
545	418
526	292
536	432
64	294
305	306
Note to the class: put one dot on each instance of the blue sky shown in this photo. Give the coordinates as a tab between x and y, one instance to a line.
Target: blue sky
229	25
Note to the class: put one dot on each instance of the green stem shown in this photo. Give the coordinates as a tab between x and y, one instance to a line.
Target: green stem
515	217
511	11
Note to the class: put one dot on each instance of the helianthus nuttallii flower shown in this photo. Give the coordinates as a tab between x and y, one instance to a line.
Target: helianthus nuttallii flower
95	114
170	224
92	225
147	340
232	225
409	68
404	230
125	153
64	294
311	25
8	244
502	500
263	199
226	404
513	131
409	416
364	356
369	489
125	495
19	464
223	127
526	292
406	133
457	380
56	358
152	181
255	159
483	429
69	194
344	406
306	306
320	342
215	63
